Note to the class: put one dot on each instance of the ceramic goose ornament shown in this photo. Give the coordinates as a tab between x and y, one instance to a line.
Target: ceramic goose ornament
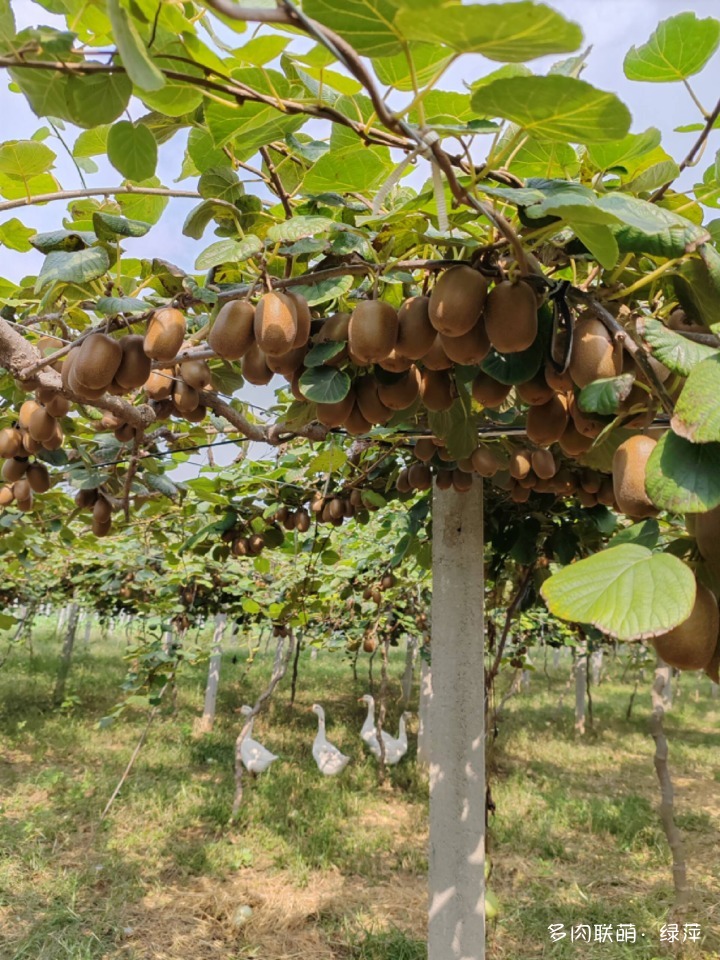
395	748
255	757
329	759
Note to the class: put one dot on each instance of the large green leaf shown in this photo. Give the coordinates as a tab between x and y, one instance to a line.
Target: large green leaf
648	228
298	227
513	32
679	48
324	384
427	59
697	412
555	108
24	159
622	154
456	426
368	25
7	27
697	292
683	477
625	591
356	169
604	396
600	241
228	251
79	266
108	226
673	350
220	183
96	99
15	235
132	150
136	60
62	240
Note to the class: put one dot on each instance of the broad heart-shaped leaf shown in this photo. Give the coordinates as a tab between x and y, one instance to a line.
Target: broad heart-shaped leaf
324	384
623	154
697	412
62	240
132	150
228	251
368	25
108	226
646	533
24	159
600	241
109	306
626	591
427	58
136	60
676	352
7	27
683	477
298	227
647	228
220	183
324	291
79	266
679	48
322	352
97	99
604	396
509	32
15	235
349	170
555	108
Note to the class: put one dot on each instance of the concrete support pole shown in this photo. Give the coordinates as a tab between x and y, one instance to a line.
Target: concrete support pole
213	681
66	654
581	657
423	738
456	929
407	680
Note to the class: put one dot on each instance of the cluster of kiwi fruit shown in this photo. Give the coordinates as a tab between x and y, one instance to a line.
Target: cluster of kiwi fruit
23	476
374	591
101	507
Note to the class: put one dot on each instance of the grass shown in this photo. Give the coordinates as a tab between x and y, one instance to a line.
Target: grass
328	868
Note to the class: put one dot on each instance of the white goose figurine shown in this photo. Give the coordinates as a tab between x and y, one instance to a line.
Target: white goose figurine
255	757
329	759
395	749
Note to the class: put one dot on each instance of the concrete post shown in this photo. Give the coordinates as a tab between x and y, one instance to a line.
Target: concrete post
456	929
213	681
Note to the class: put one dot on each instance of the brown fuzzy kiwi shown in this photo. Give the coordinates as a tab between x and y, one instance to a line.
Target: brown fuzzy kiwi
691	645
564	482
86	498
185	397
335	330
67	365
254	367
424	449
97	361
402	484
511	316
645	408
415	332
159	384
27	409
470	348
465	464
461	481
520	494
401	393
590	480
436	390
196	373
302	520
14	469
355	423
335	414
163	409
485	462
124	433
489	392
535	391
56	440
546	422
42	425
457	300
369	402
101	528
530	481
135	365
336	508
442	454
586	499
6	496
588	424
419	476
395	363
594	355
58	406
713	668
10	442
38	477
276	324
24	505
520	463
303	318
572	443
102	510
628	469
560	382
372	331
436	358
605	493
288	363
79	389
30	445
543	464
165	334
444	479
22	489
233	330
707	533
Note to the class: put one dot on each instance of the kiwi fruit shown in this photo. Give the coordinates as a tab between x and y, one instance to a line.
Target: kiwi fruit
6	496
436	390
24	505
485	462
38	477
519	494
14	469
369	403
97	362
355	423
303	318
511	316
628	469
461	481
415	332
102	510
489	392
254	367
10	442
85	498
124	433
442	453
402	484
395	363
401	393
436	358
185	397
470	348
196	373
56	440
691	645
275	324
288	363
590	480
233	330
713	668
335	330
564	482
707	533
560	382
419	476
594	355
465	464
101	528
42	425
30	445
165	334
605	492
573	443
27	409
543	464
159	384
424	449
457	300
535	391
335	414
588	424
58	406
520	463
546	422
444	479
302	520
586	499
22	489
67	365
372	331
530	480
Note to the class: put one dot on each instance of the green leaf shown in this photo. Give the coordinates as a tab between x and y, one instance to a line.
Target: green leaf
604	396
683	477
80	266
15	235
555	108
109	306
92	143
7	27
324	291
96	99
324	384
621	154
513	32
679	48
136	60
220	183
24	159
148	208
261	50
367	25
356	169
62	240
322	352
228	251
697	411
456	426
298	227
427	59
108	226
673	350
626	591
132	150
649	228
600	241
201	215
646	533
329	460
697	293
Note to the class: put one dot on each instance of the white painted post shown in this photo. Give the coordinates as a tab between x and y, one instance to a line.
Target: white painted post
423	738
456	929
213	682
580	685
407	680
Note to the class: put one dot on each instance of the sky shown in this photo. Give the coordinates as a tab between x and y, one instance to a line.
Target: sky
610	26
